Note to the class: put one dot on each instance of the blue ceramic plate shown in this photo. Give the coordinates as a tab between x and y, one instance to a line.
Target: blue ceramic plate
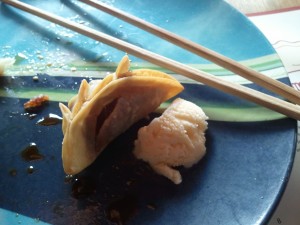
250	149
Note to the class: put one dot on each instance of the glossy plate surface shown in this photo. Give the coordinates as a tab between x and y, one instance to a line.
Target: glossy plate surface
250	149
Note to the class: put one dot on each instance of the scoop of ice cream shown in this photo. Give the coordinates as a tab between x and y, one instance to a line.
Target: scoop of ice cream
176	138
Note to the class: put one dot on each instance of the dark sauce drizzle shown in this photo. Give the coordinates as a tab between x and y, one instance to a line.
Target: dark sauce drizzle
83	188
31	152
49	120
13	172
122	210
30	169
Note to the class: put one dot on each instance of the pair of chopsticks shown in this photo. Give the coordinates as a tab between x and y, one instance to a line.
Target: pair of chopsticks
276	104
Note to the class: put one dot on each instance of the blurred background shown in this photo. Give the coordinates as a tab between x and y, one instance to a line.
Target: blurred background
254	6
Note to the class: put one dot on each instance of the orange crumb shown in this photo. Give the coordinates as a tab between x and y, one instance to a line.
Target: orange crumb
36	102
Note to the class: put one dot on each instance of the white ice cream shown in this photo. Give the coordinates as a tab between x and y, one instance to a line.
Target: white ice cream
176	138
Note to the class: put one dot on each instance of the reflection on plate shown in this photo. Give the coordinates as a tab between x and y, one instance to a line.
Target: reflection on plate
240	179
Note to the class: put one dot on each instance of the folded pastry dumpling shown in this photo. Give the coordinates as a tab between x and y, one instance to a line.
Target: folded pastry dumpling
103	109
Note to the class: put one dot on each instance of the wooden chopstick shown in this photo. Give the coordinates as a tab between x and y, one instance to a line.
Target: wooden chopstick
265	100
236	67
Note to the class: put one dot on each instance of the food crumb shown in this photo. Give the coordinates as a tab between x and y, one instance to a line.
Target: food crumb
151	206
20	57
35	78
40	57
36	102
29	115
69	178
